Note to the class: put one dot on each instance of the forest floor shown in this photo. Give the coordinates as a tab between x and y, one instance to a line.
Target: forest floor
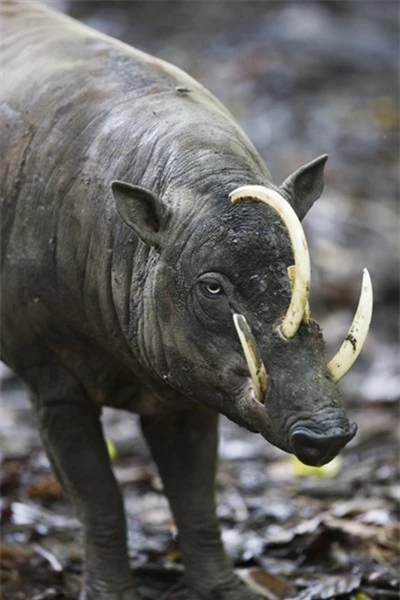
292	531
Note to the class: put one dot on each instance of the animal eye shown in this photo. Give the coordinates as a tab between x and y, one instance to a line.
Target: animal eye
213	288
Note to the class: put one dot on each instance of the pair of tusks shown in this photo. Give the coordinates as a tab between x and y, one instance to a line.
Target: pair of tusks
298	311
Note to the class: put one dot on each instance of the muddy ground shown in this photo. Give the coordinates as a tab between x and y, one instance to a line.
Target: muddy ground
303	78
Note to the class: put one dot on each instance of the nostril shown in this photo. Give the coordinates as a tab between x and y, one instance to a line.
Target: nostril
316	449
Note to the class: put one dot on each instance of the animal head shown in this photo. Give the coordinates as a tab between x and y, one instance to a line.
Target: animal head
229	291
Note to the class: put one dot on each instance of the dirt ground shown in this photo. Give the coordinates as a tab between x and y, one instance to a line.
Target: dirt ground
303	78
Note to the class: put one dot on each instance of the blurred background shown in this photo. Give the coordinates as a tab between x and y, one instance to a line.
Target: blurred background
302	78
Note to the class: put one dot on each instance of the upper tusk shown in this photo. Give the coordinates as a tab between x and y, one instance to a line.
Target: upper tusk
354	341
253	356
302	275
307	313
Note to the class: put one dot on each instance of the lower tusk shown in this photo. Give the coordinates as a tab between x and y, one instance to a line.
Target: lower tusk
348	352
252	355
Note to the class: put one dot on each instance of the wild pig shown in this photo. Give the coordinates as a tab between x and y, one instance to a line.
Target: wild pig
149	263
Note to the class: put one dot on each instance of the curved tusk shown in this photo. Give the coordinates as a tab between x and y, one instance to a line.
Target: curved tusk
302	274
354	341
307	313
253	357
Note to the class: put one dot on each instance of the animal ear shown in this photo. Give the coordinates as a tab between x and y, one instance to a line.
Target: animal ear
142	211
303	187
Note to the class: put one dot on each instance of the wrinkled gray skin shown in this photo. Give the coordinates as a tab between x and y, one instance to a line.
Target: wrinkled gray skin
107	296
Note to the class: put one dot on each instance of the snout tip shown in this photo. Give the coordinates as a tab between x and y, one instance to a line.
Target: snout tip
315	448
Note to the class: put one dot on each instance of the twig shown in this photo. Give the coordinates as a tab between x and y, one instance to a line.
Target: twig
51	559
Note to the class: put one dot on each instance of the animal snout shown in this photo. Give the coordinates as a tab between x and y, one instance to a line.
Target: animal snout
316	448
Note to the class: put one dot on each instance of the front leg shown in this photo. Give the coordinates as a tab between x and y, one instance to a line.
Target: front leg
73	438
184	446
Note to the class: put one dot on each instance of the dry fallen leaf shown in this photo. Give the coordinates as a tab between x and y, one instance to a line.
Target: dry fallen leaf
330	586
48	487
267	585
